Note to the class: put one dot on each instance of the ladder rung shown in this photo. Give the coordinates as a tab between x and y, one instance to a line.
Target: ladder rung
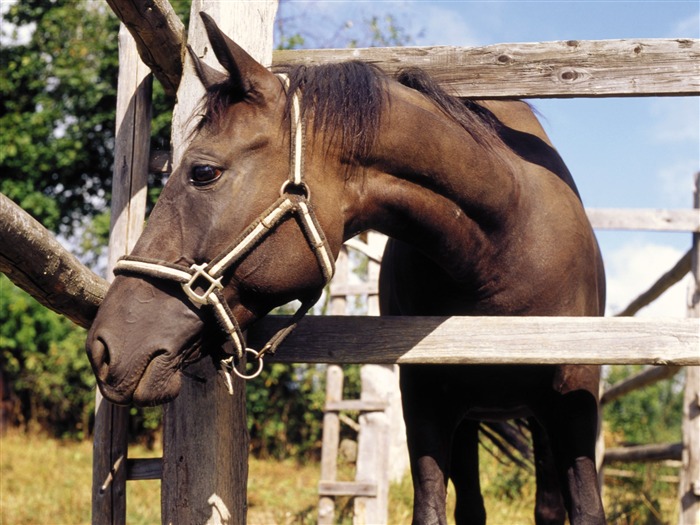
359	405
150	468
347	488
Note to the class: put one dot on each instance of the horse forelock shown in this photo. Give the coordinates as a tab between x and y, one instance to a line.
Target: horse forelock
344	101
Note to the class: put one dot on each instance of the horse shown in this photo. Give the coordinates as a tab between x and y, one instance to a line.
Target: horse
484	219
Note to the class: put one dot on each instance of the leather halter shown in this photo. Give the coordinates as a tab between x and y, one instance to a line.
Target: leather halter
202	282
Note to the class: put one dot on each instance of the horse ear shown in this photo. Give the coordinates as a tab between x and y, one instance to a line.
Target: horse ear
241	67
206	74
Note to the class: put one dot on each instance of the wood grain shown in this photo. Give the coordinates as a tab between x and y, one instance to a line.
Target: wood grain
486	340
588	68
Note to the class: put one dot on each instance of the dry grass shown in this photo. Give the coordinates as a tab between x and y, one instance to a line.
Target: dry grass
46	481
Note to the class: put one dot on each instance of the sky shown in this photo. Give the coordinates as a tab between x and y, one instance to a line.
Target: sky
637	152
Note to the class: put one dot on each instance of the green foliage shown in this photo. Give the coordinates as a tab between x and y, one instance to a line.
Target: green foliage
57	94
44	362
285	410
649	415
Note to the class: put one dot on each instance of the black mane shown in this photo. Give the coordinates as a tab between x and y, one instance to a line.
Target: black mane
346	101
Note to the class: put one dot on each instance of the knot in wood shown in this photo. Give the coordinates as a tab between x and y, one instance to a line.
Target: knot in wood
504	59
571	75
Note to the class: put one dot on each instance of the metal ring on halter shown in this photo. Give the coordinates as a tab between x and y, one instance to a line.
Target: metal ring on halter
305	191
255	374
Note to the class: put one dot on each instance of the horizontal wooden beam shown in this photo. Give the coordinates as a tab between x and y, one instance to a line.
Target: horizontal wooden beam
347	488
359	405
588	68
644	453
647	377
484	340
645	219
35	261
144	468
160	37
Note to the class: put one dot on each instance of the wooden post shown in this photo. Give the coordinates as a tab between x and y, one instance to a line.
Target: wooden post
133	125
398	446
331	439
373	446
690	475
205	441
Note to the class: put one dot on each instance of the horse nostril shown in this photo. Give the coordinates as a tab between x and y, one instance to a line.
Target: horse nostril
100	357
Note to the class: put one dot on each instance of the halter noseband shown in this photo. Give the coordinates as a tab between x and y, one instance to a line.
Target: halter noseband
293	201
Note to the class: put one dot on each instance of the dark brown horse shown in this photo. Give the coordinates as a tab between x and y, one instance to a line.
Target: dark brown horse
485	218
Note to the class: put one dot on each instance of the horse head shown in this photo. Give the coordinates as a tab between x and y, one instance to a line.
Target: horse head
235	233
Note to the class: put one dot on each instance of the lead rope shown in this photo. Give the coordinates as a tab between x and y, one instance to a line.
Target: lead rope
208	277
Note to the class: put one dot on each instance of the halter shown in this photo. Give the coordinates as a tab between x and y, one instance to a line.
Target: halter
202	282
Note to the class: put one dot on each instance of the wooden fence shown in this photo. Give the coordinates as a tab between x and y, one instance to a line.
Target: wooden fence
557	69
194	472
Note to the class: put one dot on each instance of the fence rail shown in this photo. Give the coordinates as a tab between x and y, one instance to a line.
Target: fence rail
591	68
486	340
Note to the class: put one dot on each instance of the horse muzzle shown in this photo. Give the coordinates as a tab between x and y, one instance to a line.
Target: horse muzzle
138	342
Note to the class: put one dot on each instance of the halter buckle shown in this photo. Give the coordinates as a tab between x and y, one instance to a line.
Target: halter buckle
200	272
289	187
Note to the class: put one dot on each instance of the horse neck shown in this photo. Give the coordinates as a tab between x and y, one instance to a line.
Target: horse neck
432	185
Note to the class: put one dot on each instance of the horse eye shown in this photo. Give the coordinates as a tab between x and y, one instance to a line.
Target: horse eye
202	175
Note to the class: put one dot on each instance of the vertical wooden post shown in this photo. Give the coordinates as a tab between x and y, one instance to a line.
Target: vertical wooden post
379	383
334	392
373	447
133	130
398	446
331	441
690	475
205	441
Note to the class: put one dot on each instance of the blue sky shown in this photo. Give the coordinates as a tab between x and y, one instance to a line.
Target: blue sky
623	152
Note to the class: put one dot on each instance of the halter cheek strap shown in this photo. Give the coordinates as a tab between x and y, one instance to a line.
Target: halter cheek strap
202	282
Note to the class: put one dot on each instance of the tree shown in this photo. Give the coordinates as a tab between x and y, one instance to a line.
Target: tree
58	99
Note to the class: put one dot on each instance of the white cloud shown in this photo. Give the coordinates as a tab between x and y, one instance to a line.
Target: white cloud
440	25
688	27
676	119
676	182
633	268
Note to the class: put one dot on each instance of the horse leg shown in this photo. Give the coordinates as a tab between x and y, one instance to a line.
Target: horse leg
428	430
549	504
464	473
571	425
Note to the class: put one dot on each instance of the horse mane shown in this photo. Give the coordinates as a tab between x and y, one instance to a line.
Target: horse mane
346	101
481	124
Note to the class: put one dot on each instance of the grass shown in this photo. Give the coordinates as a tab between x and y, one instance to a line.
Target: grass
46	481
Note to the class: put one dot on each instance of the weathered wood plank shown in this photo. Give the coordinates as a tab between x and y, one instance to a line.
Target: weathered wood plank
646	377
592	68
160	37
689	486
359	405
205	472
347	488
644	219
36	262
644	453
128	211
483	340
144	468
331	440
